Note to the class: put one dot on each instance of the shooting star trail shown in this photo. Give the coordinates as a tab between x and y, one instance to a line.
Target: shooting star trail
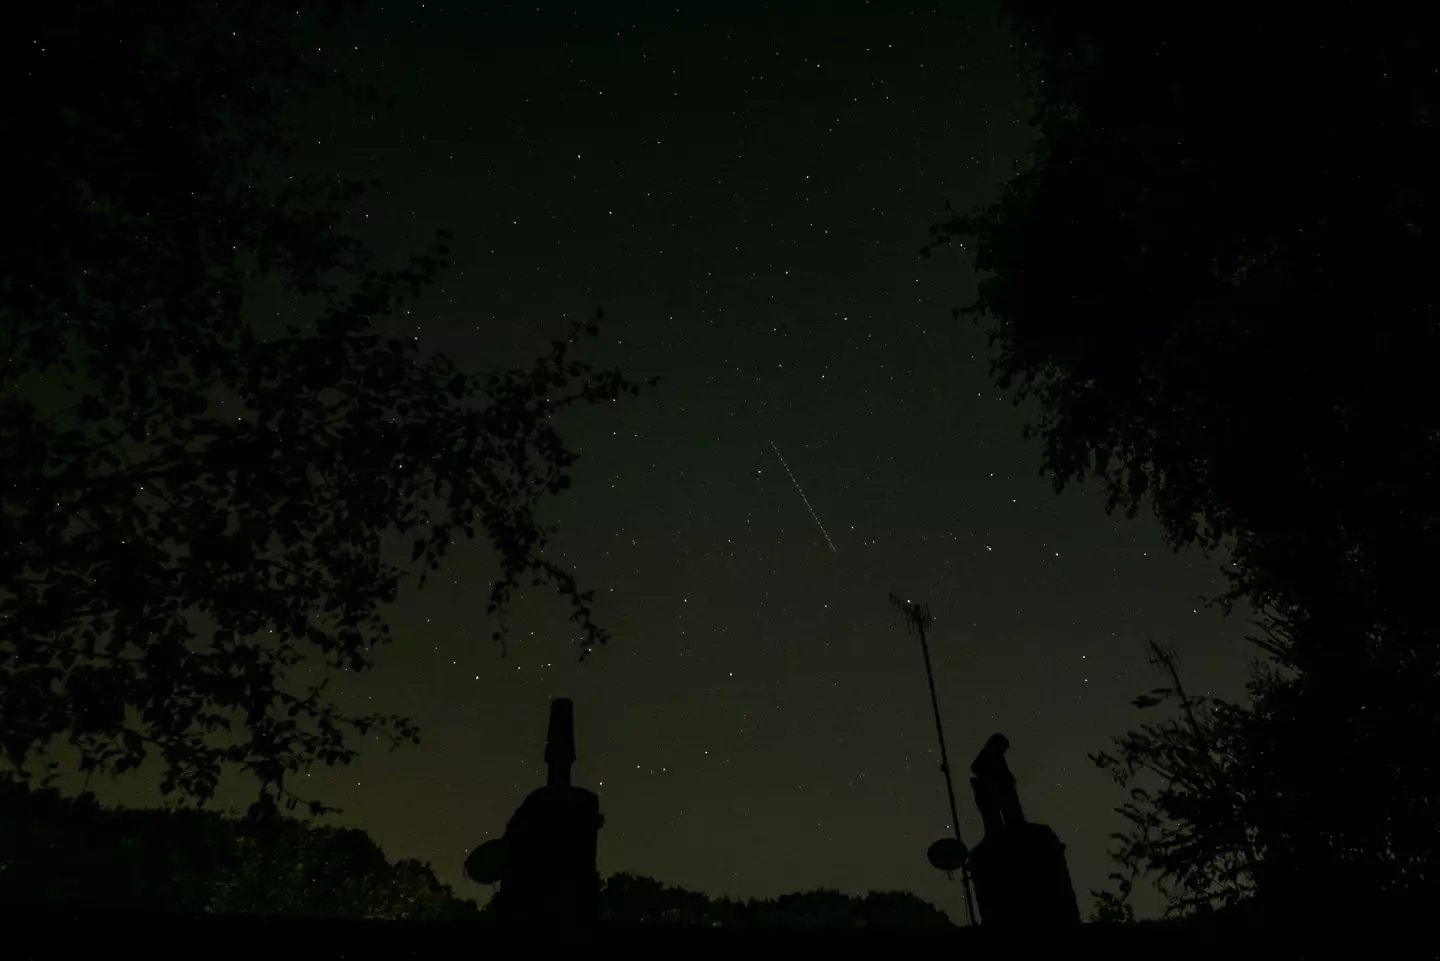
803	498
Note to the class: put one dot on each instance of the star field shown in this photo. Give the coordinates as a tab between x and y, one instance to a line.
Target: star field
746	197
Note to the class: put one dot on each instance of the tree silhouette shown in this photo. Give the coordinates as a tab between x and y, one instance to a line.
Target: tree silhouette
194	498
71	852
330	872
901	910
1212	277
1161	274
1190	829
628	901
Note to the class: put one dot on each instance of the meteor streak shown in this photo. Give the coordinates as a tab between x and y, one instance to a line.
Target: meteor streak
803	498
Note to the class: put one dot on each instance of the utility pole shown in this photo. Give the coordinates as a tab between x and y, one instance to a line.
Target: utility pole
917	618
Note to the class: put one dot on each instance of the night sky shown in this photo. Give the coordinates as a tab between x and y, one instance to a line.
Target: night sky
746	198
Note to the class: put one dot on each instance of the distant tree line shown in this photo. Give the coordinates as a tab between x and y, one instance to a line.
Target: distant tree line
73	852
60	851
629	900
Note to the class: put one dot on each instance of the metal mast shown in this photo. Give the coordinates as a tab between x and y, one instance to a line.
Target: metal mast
917	618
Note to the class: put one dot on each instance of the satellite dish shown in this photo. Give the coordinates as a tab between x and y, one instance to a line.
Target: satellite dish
486	864
948	854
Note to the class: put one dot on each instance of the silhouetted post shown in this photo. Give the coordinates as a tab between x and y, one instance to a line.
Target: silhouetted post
1021	879
918	618
546	860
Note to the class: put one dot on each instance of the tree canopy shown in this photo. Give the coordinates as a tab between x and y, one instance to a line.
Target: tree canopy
1212	278
194	504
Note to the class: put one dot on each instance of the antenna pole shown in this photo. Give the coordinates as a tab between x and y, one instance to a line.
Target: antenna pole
1165	661
918	618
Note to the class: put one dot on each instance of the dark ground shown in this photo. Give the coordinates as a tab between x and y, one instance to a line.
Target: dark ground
39	934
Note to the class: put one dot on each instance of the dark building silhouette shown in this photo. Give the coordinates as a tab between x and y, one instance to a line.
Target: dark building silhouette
547	863
1019	871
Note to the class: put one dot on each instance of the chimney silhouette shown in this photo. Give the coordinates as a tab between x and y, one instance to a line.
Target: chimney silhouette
560	742
1022	883
546	859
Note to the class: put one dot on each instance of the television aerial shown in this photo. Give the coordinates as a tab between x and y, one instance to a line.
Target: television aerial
947	854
